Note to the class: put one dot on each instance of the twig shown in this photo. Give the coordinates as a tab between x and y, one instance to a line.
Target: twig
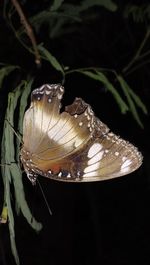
68	72
137	55
133	69
29	30
144	54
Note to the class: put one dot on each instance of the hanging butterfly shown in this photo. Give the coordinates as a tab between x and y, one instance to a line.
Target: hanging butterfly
74	145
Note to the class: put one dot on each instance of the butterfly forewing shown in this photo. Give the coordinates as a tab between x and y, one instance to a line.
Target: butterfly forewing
42	115
73	145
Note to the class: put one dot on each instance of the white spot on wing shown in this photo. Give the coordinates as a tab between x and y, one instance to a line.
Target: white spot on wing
92	167
124	158
47	92
125	169
91	174
94	149
126	163
59	96
78	142
126	166
96	158
60	174
61	89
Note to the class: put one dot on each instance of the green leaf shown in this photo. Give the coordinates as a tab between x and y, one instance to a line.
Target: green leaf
50	58
99	76
5	71
10	153
75	10
137	100
7	152
11	221
138	13
125	87
56	4
11	172
108	4
16	175
23	102
51	19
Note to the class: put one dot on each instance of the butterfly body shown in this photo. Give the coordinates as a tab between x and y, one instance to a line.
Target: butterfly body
73	145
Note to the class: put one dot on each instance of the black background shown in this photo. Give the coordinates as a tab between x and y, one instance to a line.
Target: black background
92	223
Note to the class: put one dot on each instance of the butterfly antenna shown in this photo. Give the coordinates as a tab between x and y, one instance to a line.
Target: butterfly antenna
44	197
17	135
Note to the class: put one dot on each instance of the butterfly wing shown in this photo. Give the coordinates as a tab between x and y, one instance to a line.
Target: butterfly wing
73	145
108	156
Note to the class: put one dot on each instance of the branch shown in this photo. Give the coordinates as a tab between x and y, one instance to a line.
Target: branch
28	29
137	55
137	67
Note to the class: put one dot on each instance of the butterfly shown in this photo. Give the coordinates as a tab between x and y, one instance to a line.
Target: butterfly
73	145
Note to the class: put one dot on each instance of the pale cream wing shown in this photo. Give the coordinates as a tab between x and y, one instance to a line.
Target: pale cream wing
73	145
49	135
42	115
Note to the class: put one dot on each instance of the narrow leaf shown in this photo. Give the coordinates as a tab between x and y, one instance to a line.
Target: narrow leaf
20	197
56	4
12	235
11	172
15	170
108	4
49	57
99	76
5	71
10	216
125	89
23	102
137	100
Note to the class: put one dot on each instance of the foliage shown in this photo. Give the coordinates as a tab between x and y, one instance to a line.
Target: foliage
61	14
51	59
99	76
5	71
132	99
11	171
138	13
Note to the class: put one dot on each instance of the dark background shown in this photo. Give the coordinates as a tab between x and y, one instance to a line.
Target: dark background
93	223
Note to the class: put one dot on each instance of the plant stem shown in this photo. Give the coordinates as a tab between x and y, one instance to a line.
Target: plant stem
67	72
137	55
29	30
